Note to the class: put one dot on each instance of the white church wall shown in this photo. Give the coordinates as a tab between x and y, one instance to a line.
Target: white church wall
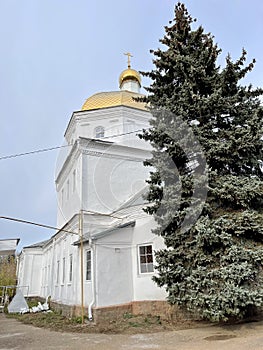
64	289
59	280
114	268
69	191
144	287
97	175
111	180
30	271
105	187
46	260
88	277
115	121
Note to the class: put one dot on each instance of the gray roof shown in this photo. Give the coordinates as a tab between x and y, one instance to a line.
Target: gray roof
105	232
38	244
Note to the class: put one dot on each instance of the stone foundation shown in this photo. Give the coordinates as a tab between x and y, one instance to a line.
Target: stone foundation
162	309
158	308
109	313
65	310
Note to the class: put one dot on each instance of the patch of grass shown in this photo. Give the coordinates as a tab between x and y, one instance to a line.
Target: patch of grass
77	319
50	320
134	324
125	324
32	302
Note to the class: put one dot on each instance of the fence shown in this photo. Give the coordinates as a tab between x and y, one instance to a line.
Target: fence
8	292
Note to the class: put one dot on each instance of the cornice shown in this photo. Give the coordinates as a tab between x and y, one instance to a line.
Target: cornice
112	150
102	149
68	164
106	113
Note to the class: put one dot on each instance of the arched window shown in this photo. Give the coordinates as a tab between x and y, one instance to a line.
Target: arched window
99	132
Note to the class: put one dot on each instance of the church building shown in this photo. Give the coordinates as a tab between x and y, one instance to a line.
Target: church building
103	255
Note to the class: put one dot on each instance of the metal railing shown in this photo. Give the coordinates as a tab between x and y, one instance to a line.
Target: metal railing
8	292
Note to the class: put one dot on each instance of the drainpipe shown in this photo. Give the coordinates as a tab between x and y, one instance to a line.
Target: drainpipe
51	281
92	281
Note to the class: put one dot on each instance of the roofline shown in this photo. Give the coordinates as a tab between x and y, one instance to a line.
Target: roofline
38	244
100	108
109	107
95	140
100	143
105	233
11	239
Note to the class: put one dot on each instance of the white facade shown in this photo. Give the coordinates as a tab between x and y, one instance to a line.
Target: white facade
112	166
29	270
101	179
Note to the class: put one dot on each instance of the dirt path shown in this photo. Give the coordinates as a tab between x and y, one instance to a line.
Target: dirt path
15	335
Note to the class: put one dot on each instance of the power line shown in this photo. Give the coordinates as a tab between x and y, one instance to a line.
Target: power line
35	224
58	147
33	152
125	133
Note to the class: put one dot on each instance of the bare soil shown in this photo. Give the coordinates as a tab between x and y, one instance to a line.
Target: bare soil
16	335
127	324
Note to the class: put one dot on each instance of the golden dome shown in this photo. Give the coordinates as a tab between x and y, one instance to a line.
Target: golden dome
130	74
113	99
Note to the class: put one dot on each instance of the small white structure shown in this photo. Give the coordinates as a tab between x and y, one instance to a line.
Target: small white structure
8	246
100	182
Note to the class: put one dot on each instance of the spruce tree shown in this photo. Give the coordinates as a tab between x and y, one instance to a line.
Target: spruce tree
206	189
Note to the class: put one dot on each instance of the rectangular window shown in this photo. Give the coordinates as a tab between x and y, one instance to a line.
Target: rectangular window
63	270
58	271
68	189
45	275
74	181
62	196
146	258
70	267
88	265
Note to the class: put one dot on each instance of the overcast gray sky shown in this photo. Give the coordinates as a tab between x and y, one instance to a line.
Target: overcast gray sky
56	53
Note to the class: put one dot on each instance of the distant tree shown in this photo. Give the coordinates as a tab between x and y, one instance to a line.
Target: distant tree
7	271
212	263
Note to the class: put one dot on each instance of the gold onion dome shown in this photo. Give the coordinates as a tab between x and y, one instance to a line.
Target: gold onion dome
113	99
124	97
129	74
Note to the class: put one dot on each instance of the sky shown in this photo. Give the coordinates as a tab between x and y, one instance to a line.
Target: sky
57	53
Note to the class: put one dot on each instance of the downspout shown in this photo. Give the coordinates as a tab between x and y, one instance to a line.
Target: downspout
51	284
92	281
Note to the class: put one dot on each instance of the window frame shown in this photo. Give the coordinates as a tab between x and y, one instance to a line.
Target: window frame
147	264
58	270
70	271
63	270
67	189
88	265
99	132
62	196
74	180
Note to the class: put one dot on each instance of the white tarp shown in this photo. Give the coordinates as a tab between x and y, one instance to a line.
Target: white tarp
18	303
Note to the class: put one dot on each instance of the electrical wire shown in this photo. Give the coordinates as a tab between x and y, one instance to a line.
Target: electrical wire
36	224
33	152
63	146
117	135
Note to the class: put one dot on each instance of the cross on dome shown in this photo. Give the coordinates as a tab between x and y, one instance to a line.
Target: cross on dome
130	79
129	58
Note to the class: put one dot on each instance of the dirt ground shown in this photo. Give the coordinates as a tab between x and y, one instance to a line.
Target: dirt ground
16	335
